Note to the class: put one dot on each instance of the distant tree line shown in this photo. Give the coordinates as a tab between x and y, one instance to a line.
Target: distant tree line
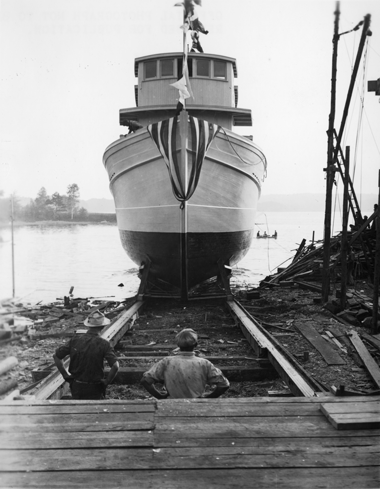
44	207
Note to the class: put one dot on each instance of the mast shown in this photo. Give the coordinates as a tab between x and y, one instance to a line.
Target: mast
330	163
183	118
332	153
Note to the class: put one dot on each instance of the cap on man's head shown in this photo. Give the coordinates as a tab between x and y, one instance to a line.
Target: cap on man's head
187	338
96	319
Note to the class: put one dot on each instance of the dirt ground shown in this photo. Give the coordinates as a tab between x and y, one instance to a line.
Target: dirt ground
38	330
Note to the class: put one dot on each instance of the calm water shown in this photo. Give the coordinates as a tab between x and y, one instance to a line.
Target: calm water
49	260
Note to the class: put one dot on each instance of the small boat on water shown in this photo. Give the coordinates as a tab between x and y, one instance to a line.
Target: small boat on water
266	236
185	185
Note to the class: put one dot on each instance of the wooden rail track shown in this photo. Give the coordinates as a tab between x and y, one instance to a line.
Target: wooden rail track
247	352
297	379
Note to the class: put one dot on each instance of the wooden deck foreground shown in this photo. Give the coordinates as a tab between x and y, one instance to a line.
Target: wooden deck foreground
222	443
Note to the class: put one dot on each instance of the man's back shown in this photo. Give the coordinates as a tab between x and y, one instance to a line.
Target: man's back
87	354
185	375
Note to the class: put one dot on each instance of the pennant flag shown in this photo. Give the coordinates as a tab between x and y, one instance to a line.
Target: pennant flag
164	134
190	16
183	91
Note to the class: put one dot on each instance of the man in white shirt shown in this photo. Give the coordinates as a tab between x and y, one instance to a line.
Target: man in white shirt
185	375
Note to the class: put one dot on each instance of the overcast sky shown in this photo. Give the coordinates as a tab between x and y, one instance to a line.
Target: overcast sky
67	67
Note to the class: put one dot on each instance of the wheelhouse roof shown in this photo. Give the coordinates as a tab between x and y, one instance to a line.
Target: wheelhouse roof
190	55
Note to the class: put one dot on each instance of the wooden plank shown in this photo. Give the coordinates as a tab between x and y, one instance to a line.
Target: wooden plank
336	341
134	403
118	328
355	421
294	380
294	443
224	478
236	373
210	358
352	407
328	353
369	362
164	346
219	401
50	440
144	353
371	339
77	422
351	416
98	459
247	427
273	400
235	410
83	408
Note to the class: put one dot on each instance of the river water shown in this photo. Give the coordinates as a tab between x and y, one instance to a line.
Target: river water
49	260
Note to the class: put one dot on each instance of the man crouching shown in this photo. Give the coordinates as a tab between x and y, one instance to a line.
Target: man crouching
185	375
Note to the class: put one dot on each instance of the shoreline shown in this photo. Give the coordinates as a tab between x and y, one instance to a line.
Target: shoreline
54	223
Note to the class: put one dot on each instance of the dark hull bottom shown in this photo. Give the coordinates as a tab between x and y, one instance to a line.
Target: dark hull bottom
167	252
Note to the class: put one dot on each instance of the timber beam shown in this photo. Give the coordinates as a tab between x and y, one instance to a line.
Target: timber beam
265	345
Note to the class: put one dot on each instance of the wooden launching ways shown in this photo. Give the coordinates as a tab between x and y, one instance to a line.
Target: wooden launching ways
265	345
286	443
263	357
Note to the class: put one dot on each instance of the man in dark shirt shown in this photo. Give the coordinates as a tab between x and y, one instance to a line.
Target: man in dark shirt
87	353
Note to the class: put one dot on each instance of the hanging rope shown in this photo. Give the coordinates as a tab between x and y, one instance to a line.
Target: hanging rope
262	159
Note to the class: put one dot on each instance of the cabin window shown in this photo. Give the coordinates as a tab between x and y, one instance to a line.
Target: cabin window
203	67
189	67
150	69
220	70
167	67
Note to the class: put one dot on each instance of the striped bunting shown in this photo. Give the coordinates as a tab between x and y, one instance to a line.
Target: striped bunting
164	134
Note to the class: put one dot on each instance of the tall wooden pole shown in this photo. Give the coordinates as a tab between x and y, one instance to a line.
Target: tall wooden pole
332	153
376	277
344	250
330	164
365	32
13	251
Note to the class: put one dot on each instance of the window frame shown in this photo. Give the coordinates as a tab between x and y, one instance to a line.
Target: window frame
173	60
145	69
196	68
214	77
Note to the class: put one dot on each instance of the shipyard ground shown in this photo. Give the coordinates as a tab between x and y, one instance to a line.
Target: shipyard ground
256	435
281	310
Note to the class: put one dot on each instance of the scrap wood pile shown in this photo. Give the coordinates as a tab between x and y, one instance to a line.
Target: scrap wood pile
336	350
305	272
308	261
29	335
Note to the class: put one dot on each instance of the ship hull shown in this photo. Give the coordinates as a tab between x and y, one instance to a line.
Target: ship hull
204	250
185	238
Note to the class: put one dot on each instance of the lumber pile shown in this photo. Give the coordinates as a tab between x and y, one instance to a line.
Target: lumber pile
35	321
308	261
7	384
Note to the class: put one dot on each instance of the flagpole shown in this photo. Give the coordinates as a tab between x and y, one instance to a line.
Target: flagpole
184	62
